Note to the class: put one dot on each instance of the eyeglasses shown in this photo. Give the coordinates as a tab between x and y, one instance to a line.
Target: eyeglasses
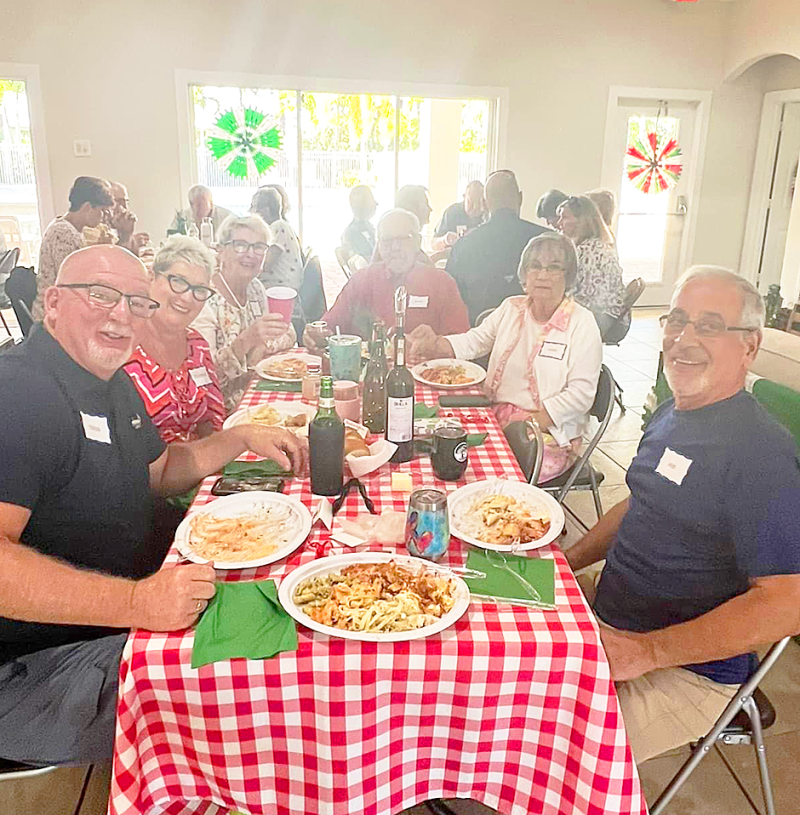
107	297
180	285
397	239
240	247
710	327
551	271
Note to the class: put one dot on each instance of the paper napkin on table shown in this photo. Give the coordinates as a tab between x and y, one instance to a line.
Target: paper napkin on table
245	469
281	387
539	572
243	620
423	411
476	439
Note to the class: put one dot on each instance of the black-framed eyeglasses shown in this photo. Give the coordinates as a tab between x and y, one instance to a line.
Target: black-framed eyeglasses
107	297
710	327
180	285
241	247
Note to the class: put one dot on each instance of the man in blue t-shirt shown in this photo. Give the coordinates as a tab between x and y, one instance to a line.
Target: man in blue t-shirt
703	558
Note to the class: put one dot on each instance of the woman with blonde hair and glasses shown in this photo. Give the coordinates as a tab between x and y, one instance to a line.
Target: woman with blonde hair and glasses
172	367
599	285
236	323
544	352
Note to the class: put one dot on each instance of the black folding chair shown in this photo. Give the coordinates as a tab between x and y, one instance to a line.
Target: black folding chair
743	721
21	290
582	475
525	441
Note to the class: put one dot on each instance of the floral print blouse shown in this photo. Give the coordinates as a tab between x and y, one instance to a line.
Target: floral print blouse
60	239
221	323
599	285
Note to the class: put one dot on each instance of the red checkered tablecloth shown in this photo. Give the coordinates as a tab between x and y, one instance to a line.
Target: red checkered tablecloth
512	707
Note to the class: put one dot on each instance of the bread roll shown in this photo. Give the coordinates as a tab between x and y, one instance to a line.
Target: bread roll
355	445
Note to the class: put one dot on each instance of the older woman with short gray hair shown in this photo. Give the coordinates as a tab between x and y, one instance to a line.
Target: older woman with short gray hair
172	367
544	351
236	323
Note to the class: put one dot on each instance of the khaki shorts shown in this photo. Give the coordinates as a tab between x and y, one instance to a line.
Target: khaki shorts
667	708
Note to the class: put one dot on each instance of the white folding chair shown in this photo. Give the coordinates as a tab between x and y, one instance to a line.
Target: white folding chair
743	721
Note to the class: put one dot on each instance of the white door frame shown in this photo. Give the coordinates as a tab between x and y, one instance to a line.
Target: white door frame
696	151
762	179
497	130
29	74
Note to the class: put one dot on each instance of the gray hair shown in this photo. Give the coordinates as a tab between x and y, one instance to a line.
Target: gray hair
753	310
253	222
196	191
567	247
189	250
412	219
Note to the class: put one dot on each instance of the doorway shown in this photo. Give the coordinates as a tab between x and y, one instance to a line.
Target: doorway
781	197
653	229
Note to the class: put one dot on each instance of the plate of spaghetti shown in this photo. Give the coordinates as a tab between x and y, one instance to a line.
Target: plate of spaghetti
374	597
243	531
448	374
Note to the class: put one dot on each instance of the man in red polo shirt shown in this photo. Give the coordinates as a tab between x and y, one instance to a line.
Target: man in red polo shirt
433	297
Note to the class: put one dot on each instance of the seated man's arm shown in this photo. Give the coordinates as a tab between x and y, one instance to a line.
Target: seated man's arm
166	601
765	613
182	466
593	546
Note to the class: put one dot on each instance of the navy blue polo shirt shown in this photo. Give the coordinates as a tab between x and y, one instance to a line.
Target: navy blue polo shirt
75	451
715	503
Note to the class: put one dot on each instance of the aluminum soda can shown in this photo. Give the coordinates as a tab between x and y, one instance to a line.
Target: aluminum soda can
427	524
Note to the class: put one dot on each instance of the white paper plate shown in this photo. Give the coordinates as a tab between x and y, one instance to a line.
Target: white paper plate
471	369
459	502
242	504
244	415
261	367
326	565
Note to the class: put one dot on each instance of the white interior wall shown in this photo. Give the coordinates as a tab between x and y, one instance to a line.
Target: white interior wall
108	70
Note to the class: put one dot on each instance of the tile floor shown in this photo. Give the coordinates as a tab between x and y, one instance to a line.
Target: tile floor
717	787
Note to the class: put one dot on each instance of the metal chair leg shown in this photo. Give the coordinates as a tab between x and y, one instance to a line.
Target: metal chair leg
595	493
751	709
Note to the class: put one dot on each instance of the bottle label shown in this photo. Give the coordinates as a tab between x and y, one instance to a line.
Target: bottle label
400	419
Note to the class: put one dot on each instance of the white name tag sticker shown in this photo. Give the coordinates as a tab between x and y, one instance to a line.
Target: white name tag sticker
553	350
673	466
95	428
200	376
417	301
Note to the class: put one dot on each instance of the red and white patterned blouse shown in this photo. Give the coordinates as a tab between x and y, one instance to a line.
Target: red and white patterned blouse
177	401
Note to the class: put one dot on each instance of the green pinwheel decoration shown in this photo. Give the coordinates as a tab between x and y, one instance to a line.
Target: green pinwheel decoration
244	142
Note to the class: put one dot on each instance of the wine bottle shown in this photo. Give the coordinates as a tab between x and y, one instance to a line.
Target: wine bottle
326	444
373	406
400	402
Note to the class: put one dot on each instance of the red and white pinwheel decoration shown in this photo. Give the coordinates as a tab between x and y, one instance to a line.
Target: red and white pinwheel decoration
654	164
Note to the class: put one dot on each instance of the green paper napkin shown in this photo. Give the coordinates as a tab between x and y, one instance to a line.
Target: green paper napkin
476	439
281	387
539	572
423	411
243	620
248	469
184	500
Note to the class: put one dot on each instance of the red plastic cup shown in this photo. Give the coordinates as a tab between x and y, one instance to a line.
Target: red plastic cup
280	300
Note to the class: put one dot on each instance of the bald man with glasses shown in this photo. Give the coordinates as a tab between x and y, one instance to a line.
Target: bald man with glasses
81	461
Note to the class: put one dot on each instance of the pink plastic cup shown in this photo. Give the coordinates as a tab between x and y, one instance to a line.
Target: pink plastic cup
280	300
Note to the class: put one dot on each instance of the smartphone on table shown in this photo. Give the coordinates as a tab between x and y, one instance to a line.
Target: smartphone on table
229	484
